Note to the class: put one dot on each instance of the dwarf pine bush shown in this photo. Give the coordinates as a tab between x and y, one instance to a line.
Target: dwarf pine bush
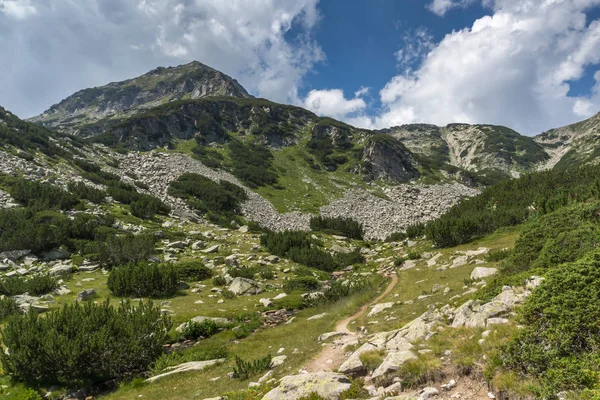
143	280
84	343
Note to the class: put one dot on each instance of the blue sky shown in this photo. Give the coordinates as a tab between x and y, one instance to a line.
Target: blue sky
528	64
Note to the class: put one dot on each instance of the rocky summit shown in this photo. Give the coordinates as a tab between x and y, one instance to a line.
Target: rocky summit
172	237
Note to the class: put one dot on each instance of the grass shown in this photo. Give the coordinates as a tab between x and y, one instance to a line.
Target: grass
215	381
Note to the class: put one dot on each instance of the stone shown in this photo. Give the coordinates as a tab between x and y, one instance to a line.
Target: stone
459	261
496	321
272	259
326	336
183	286
212	249
14	255
436	288
240	286
533	282
427	393
61	269
328	385
243	229
199	319
177	245
86	295
89	268
62	291
483	272
318	316
450	385
188	366
58	254
393	361
266	302
199	245
433	260
377	308
277	361
279	296
231	260
339	249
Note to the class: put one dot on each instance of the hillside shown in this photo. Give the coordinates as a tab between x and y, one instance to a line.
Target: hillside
119	99
572	145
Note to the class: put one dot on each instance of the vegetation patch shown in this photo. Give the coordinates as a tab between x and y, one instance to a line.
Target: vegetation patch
143	280
338	226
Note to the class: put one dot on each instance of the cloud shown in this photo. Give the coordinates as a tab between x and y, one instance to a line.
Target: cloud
416	43
332	103
513	67
57	47
364	90
18	9
441	7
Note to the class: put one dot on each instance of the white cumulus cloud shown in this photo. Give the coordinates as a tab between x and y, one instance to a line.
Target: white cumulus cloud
56	47
513	68
332	103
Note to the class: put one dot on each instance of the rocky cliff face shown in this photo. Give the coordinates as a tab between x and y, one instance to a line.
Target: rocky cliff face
121	99
572	145
385	157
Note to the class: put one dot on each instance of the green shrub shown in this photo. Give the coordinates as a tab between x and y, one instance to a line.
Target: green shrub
228	294
414	255
245	369
304	283
559	344
267	274
194	330
219	280
36	285
123	249
252	164
87	343
86	192
415	230
143	280
243	272
220	201
338	226
498	255
193	271
8	307
396	237
41	196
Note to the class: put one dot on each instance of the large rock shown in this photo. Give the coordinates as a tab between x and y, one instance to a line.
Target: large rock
393	361
14	255
58	254
199	319
188	366
483	272
328	385
240	286
212	249
377	308
61	269
86	294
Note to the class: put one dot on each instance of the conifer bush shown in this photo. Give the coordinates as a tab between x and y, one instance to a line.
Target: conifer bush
193	271
143	280
8	307
123	249
338	226
84	343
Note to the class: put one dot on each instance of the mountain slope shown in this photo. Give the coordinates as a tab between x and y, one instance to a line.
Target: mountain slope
572	145
484	149
159	86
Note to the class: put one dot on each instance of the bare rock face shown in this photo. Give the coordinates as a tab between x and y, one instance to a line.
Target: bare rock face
385	157
328	385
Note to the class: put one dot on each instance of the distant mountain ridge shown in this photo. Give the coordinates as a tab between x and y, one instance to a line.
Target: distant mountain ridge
120	99
190	101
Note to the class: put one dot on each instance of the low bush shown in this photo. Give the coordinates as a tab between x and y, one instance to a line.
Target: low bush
338	226
8	307
414	255
243	272
36	285
123	249
267	274
303	283
86	192
87	343
219	280
193	271
498	255
252	164
143	280
396	237
561	336
416	230
220	201
245	369
194	330
41	196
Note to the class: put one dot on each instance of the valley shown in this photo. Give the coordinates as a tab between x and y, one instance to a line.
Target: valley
288	255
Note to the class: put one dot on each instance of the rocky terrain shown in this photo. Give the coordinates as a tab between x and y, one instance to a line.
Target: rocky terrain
119	99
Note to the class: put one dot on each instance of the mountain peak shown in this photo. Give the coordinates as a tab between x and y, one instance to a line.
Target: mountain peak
158	86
